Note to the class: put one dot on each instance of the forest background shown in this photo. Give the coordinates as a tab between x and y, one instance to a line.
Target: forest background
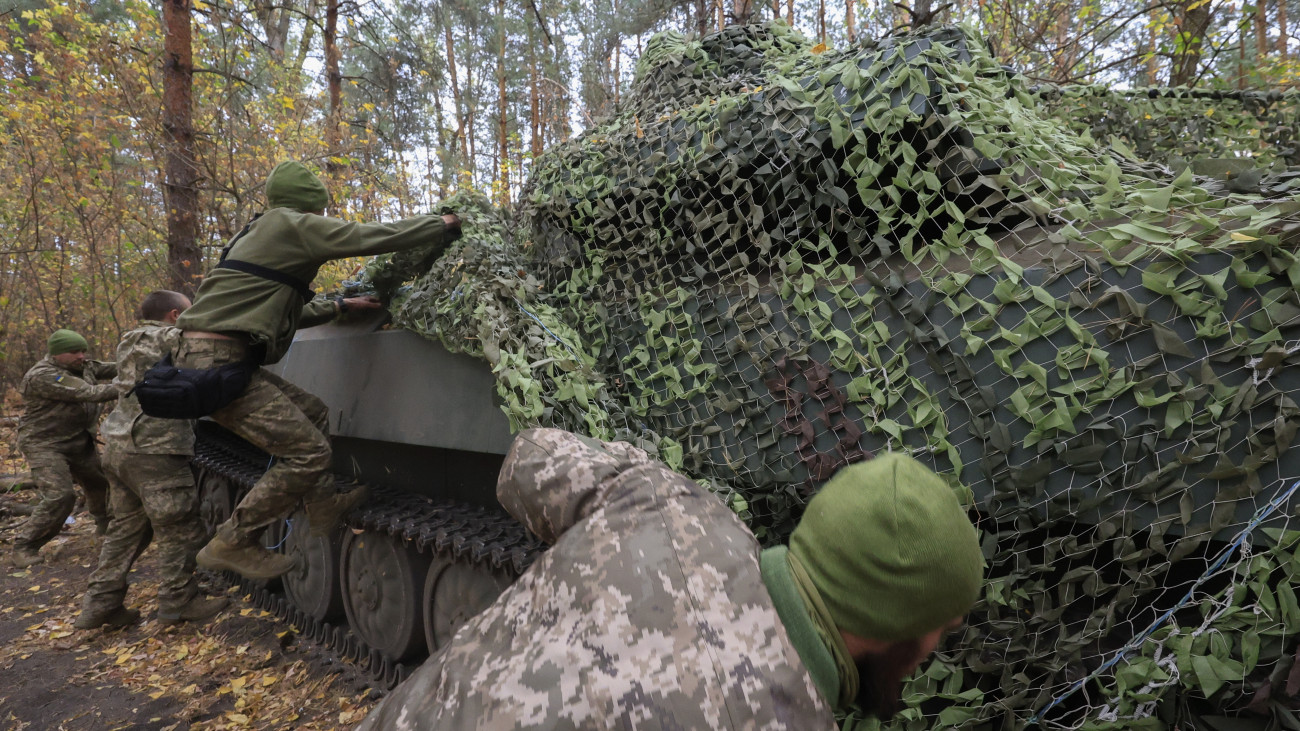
135	136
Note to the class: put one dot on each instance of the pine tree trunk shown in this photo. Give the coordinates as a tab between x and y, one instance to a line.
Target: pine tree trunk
1062	57
618	61
849	20
821	21
1193	22
1152	61
701	16
471	113
334	81
503	151
1241	47
1281	28
1261	30
181	185
461	147
534	99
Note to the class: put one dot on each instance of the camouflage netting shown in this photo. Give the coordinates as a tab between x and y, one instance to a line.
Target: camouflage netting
771	263
1249	140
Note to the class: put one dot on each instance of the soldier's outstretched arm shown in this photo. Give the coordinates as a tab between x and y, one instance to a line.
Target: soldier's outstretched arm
329	238
551	479
67	387
102	370
323	309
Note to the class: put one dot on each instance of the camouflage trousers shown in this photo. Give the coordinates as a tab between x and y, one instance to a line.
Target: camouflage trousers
153	496
54	469
285	421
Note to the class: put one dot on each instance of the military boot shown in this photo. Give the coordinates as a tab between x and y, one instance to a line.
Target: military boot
25	556
101	524
229	551
196	609
118	616
324	514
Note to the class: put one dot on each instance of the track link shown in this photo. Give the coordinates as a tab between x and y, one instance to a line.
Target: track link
467	533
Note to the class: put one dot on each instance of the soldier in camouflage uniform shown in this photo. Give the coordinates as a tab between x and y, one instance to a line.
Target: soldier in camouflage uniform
153	494
56	433
655	607
247	310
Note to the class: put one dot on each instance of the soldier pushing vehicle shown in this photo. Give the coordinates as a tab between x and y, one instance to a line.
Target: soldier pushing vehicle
244	316
153	495
62	394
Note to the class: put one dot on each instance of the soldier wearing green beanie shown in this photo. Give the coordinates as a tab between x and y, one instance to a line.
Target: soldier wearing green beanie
66	341
656	602
62	394
246	311
883	562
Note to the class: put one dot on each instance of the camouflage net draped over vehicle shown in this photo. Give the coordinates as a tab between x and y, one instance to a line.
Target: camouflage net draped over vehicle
771	262
1167	125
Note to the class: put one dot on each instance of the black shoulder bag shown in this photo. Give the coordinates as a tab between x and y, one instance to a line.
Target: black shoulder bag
168	392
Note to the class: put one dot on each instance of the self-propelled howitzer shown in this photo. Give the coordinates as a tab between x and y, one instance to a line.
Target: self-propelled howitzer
775	260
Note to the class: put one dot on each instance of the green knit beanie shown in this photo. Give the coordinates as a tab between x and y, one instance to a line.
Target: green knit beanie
292	185
66	341
890	550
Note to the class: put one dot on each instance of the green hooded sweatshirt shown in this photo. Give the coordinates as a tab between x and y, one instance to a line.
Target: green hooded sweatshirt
297	244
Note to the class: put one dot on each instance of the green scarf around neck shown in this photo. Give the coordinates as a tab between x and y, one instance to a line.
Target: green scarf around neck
810	627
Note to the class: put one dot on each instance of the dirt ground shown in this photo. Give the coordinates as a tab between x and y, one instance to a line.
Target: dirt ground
242	670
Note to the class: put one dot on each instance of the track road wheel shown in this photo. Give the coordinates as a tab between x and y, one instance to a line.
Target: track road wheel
454	593
216	500
383	583
313	585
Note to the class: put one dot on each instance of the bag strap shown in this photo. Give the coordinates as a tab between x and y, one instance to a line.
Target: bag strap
242	232
275	275
303	289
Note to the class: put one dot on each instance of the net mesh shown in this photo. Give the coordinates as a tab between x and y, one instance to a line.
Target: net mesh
772	262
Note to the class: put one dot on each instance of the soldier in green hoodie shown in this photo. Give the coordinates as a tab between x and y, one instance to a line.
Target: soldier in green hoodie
247	310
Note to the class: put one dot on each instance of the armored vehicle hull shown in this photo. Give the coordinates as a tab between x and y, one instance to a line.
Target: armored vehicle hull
773	261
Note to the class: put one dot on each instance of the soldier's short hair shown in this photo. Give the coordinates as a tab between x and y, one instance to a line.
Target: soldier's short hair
156	305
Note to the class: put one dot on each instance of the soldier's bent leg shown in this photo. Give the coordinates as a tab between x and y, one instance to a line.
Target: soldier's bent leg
171	502
53	481
128	535
325	505
88	471
266	416
307	402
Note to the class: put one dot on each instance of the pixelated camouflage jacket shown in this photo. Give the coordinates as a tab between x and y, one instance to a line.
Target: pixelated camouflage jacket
648	612
60	406
127	428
